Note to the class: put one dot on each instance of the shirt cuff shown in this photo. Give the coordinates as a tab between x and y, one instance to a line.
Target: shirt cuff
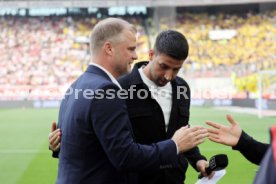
177	149
242	142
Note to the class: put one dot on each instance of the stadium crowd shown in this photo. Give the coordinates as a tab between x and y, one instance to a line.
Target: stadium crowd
251	49
36	52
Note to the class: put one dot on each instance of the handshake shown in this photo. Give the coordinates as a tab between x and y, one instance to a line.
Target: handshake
187	138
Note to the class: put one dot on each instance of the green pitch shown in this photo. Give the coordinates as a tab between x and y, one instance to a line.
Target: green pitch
25	159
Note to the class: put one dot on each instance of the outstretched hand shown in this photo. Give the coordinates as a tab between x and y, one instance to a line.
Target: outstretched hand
223	134
188	138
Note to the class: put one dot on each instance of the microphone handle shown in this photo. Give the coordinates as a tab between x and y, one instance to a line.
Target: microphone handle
200	176
208	171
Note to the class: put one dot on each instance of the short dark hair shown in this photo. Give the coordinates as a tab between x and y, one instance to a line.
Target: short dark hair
173	44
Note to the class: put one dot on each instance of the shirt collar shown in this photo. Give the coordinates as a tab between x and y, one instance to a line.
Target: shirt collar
108	73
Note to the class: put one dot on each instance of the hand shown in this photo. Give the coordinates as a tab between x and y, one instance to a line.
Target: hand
201	165
187	138
223	134
54	137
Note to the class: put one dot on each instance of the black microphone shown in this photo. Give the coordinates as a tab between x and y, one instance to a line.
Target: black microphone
216	163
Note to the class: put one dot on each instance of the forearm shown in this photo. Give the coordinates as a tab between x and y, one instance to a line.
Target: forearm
251	149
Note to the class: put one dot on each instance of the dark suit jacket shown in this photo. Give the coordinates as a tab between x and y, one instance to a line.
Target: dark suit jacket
148	125
97	144
267	170
251	149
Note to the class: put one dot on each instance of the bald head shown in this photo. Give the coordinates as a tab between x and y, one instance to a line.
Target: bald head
109	29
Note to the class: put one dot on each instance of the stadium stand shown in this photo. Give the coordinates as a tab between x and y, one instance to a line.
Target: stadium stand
42	55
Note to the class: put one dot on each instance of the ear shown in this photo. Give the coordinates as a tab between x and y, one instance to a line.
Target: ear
151	54
108	49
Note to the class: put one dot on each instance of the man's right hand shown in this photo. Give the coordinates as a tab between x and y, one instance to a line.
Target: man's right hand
227	135
54	138
187	138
